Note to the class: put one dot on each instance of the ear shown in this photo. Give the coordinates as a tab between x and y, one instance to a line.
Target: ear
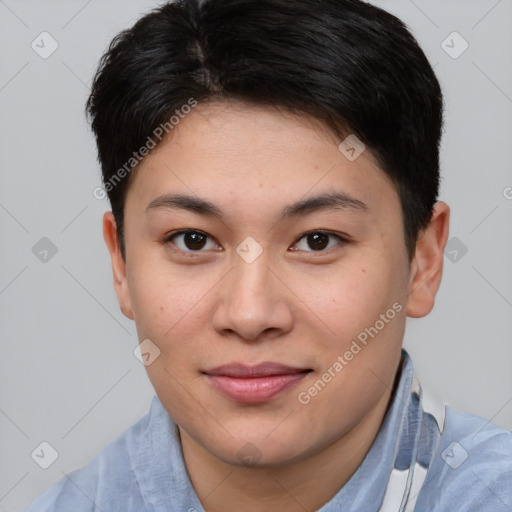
427	264
118	264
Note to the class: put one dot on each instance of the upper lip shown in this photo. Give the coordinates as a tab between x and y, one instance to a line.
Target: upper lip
239	370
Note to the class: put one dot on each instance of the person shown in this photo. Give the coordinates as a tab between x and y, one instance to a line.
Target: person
273	172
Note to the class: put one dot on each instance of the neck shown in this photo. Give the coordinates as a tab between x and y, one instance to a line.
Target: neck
301	486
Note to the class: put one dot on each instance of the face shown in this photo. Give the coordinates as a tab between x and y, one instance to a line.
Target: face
270	272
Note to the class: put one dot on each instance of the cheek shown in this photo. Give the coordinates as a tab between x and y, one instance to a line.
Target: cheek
172	310
167	310
349	300
164	301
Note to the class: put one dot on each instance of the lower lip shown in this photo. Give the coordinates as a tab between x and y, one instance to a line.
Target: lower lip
255	389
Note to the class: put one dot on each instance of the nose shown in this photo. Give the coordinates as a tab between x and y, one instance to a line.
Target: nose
253	302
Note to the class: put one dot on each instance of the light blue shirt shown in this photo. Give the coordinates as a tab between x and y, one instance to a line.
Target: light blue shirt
426	457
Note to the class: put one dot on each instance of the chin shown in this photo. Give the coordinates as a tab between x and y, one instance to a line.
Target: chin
261	451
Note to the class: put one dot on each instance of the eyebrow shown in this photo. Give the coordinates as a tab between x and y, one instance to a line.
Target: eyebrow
337	200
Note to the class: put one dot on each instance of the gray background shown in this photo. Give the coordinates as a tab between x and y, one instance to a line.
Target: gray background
67	372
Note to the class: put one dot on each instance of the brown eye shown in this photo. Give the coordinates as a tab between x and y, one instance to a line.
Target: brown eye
318	241
190	240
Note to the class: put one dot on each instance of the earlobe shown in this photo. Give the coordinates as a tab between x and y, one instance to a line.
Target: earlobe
118	264
427	264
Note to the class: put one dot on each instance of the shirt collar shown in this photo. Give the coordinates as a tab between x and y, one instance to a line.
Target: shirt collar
367	486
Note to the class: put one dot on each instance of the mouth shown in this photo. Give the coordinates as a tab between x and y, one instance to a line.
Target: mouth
254	384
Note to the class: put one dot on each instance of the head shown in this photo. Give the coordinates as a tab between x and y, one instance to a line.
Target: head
273	171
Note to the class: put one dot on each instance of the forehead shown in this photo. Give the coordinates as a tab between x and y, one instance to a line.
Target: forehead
246	154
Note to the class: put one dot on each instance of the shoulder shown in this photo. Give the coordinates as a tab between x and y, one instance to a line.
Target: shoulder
471	468
108	480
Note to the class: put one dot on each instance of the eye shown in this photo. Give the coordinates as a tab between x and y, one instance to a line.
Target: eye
318	241
190	240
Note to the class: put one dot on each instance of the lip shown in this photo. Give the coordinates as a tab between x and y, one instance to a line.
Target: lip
254	384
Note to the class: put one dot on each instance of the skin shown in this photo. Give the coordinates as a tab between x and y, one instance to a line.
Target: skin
292	305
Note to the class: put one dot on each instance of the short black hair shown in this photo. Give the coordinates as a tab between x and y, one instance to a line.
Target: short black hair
350	64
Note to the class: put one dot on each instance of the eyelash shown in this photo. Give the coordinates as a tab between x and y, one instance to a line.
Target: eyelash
341	239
